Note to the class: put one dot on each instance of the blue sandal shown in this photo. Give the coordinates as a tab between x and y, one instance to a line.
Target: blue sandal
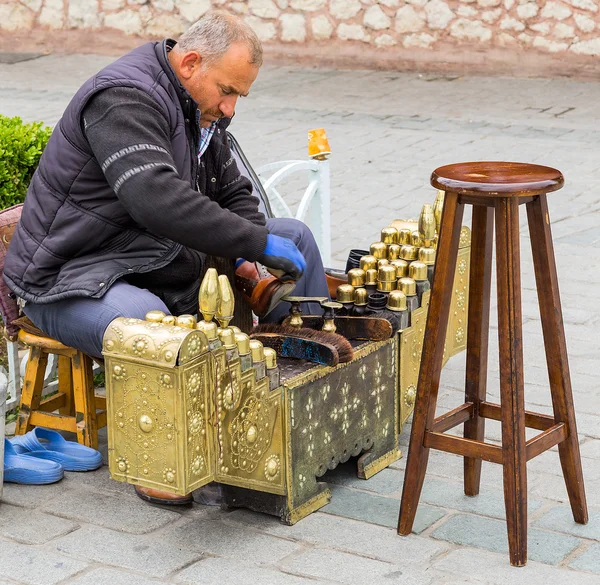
46	444
29	470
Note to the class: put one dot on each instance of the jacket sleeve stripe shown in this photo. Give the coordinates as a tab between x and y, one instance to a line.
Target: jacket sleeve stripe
136	171
128	150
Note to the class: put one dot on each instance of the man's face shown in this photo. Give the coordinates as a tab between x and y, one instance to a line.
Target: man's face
216	88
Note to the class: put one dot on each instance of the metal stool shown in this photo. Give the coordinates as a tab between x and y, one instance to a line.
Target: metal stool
495	189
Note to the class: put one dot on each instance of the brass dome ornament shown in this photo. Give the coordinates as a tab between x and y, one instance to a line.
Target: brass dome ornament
187	321
371	276
404	236
209	328
408	286
396	301
345	293
409	252
209	294
393	252
417	270
427	256
361	297
169	320
155	316
145	423
401	267
386	273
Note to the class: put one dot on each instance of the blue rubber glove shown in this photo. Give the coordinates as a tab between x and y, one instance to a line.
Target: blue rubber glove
283	259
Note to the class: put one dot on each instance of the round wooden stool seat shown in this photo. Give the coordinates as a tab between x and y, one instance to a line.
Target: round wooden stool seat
497	179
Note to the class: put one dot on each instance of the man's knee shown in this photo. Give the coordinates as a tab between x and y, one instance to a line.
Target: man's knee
291	228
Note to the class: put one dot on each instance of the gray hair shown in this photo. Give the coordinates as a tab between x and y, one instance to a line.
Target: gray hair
215	32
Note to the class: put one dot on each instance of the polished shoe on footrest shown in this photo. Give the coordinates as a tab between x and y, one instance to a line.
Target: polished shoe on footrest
261	289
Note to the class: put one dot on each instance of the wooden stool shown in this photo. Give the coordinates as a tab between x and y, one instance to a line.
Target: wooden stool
75	400
495	189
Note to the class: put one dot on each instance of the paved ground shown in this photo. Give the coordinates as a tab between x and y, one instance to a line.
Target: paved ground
388	132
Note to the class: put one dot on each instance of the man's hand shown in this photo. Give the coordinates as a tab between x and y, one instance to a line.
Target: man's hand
283	259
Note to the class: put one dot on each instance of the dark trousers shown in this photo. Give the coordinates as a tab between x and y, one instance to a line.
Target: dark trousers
80	322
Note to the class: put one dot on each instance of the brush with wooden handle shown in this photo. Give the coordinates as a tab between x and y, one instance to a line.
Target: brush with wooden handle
321	347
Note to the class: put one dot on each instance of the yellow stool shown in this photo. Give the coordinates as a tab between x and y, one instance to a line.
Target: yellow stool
79	409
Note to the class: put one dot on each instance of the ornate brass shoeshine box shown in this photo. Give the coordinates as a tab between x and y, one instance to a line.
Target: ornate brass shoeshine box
182	416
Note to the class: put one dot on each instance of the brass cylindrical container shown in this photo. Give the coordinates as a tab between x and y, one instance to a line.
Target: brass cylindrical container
270	357
368	262
170	320
408	286
404	236
271	367
427	225
361	296
227	337
396	301
235	329
371	276
155	316
188	321
389	235
258	358
257	351
382	262
438	207
417	270
401	267
345	293
386	273
416	239
409	253
393	252
427	256
379	250
403	224
356	277
386	286
243	345
209	328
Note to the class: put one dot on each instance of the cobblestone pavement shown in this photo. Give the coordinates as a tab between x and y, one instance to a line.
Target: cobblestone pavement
388	131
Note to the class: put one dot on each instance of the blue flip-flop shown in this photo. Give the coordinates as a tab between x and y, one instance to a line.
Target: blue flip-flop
46	444
29	470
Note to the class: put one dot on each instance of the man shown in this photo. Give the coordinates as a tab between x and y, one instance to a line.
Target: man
137	185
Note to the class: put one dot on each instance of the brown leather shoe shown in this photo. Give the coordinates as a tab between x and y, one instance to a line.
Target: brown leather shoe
260	288
164	498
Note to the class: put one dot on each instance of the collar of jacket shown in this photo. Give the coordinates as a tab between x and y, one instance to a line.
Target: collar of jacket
188	104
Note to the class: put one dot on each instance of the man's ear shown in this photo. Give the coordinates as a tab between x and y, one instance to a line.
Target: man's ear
189	63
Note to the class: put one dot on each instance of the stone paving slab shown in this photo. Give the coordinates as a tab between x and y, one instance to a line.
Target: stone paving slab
466	529
125	513
23	525
351	569
560	519
589	560
213	571
493	569
154	555
347	535
214	537
112	577
34	566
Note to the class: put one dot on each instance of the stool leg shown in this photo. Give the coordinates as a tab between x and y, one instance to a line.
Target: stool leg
431	360
477	335
85	401
33	384
512	400
556	352
65	385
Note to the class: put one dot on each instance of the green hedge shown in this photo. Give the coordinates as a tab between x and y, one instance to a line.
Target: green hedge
21	146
